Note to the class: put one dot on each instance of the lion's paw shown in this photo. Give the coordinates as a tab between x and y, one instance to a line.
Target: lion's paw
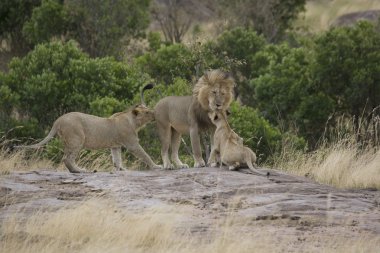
157	167
182	166
232	168
199	164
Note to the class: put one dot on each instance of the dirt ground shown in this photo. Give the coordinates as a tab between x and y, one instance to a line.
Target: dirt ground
280	204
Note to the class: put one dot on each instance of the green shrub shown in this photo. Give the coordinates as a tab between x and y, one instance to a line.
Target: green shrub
347	68
57	78
168	63
258	134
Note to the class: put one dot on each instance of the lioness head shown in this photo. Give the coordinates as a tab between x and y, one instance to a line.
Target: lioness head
217	117
214	90
142	115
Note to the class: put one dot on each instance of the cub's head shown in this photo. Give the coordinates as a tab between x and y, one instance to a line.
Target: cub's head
218	118
214	90
142	115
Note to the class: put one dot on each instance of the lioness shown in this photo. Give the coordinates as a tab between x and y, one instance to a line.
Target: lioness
228	146
176	115
79	130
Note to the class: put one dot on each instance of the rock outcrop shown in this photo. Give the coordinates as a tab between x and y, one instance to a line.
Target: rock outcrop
280	203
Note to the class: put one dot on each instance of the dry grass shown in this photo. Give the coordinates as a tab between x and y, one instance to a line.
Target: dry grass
320	14
99	226
19	161
344	165
30	160
349	156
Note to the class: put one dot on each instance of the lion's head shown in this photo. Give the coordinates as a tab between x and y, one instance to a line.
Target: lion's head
139	115
142	115
214	90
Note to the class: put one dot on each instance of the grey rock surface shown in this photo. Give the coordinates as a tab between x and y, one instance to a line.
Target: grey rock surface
281	203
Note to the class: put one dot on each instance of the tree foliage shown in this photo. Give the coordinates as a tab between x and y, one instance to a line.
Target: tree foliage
100	27
270	18
57	78
347	68
47	20
13	15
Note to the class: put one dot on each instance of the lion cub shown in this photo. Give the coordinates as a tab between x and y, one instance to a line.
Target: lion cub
228	146
79	130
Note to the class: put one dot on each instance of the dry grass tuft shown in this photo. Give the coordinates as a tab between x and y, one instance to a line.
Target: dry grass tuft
341	165
19	161
349	157
100	226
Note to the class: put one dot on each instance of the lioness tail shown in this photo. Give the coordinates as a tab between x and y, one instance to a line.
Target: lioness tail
50	136
248	160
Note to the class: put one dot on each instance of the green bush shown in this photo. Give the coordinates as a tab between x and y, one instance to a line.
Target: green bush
258	133
57	78
168	63
347	68
47	20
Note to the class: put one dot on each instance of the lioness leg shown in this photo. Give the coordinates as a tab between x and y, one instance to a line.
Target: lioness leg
69	161
140	153
212	161
73	139
196	146
176	141
164	132
116	159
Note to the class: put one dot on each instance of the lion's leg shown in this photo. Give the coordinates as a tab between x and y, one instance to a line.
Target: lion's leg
164	132
69	161
116	159
196	146
213	159
140	153
176	141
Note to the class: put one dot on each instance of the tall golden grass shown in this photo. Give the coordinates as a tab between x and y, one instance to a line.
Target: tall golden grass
33	159
348	156
20	161
319	15
99	226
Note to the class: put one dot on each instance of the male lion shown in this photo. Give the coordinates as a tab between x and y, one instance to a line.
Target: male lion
228	146
176	115
79	130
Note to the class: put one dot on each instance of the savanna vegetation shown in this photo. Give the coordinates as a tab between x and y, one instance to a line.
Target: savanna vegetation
306	102
100	225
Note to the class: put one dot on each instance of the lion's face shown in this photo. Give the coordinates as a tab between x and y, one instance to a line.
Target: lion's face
143	115
219	98
214	90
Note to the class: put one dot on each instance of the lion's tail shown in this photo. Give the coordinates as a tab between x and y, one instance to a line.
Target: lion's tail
52	133
250	158
146	87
